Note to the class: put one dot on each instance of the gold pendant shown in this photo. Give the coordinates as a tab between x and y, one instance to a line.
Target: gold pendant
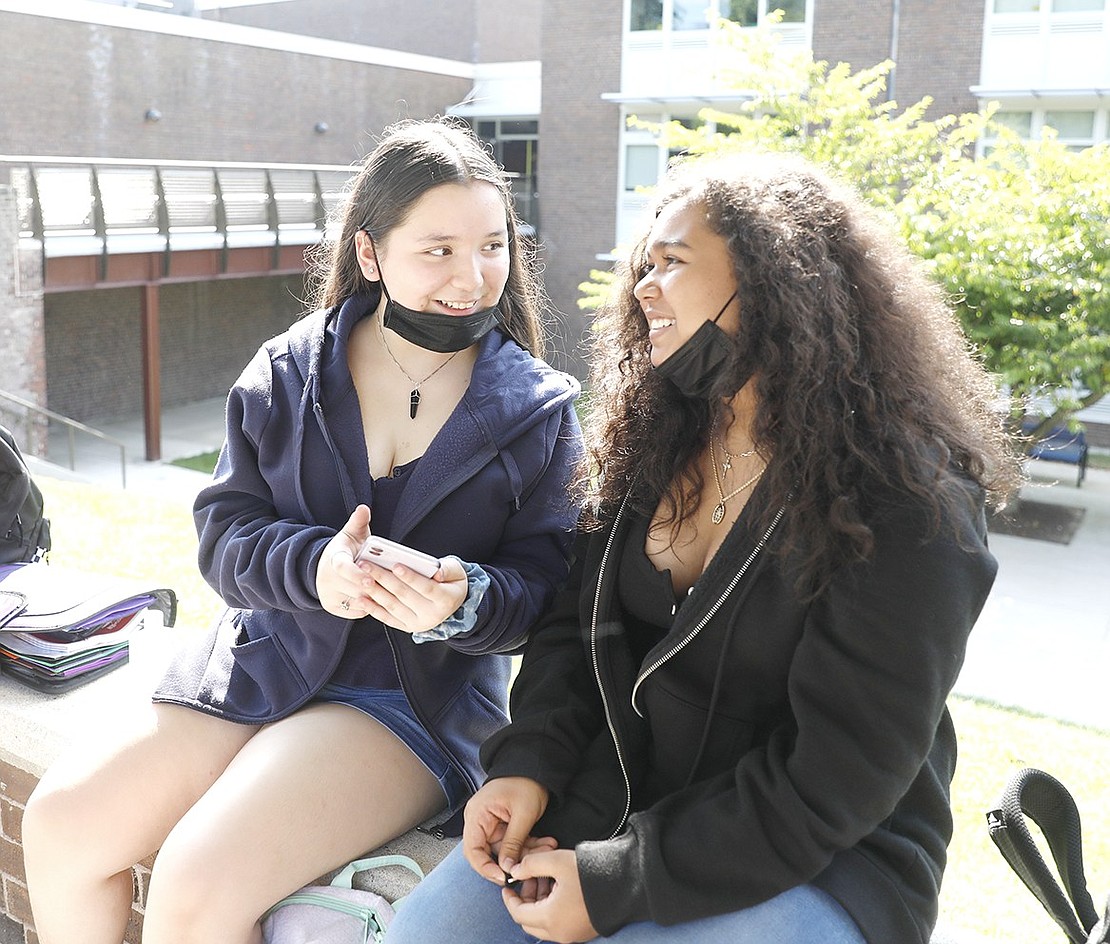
719	513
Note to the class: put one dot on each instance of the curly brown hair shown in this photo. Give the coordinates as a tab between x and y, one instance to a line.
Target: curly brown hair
864	380
412	157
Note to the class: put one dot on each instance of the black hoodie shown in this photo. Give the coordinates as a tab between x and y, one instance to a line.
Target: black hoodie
764	743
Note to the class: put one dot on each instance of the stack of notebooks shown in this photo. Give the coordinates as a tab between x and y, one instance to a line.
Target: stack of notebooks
60	627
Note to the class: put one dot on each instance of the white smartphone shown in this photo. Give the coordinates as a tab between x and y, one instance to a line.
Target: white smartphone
386	553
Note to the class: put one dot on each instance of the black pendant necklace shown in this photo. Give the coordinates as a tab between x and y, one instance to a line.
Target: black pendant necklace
414	395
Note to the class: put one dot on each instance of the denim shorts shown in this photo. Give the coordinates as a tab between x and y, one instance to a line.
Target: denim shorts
391	708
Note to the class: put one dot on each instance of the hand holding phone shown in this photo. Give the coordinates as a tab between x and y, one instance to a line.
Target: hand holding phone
386	553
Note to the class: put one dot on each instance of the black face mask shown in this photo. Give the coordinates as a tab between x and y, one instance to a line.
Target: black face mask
696	366
433	331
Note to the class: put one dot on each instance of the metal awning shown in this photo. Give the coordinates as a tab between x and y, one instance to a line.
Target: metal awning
92	219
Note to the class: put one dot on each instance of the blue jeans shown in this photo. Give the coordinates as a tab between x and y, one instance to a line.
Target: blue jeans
455	905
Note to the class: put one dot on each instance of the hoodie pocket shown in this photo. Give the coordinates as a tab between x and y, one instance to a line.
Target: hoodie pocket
679	728
251	679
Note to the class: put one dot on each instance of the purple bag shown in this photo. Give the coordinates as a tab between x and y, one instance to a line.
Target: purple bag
337	913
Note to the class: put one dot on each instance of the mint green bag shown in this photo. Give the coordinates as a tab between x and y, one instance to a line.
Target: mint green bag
337	913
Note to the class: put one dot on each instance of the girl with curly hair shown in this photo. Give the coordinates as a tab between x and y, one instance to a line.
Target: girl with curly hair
731	727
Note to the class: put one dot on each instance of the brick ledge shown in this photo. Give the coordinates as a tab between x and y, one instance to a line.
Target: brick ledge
34	730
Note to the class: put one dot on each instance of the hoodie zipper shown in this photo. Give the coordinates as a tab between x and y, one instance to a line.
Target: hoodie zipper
349	499
597	671
710	613
678	647
428	728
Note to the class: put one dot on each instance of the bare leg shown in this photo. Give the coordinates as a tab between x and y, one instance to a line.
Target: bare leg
110	802
304	795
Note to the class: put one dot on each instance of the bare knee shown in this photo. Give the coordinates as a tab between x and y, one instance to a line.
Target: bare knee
52	822
194	898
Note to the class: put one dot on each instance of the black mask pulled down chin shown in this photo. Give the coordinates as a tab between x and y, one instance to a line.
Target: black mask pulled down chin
696	366
433	331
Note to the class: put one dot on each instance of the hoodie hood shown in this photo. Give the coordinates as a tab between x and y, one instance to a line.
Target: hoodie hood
510	393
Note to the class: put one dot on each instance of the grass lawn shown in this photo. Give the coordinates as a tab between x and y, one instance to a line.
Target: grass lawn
204	462
980	892
1098	460
152	537
132	534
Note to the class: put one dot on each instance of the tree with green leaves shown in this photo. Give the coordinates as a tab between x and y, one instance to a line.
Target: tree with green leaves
1020	237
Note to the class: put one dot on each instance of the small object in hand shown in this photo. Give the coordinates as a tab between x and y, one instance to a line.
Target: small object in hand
513	883
345	605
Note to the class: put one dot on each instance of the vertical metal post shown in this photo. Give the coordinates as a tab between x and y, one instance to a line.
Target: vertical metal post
152	373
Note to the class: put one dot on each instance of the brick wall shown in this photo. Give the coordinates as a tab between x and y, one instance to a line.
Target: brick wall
472	31
208	332
940	47
16	922
428	27
508	30
15	787
579	142
22	359
218	101
221	325
938	50
842	32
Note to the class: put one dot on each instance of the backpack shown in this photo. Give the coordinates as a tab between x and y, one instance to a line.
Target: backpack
1033	795
24	532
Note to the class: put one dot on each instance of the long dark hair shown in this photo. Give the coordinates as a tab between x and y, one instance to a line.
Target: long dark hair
865	382
411	158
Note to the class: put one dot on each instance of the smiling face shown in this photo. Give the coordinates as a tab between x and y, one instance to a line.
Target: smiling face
689	276
449	256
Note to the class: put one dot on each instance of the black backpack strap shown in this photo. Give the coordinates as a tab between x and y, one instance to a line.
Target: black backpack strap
1033	793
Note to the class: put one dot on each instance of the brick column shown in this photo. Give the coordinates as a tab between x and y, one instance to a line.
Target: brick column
22	325
16	923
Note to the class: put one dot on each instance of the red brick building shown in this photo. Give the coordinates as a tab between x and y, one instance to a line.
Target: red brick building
302	86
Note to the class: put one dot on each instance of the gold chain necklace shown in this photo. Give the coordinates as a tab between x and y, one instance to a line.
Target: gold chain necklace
719	511
414	395
726	466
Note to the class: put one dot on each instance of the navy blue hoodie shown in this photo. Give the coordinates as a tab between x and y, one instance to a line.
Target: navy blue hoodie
491	489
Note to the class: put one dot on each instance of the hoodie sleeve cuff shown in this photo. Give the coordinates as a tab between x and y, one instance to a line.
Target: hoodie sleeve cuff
612	885
465	618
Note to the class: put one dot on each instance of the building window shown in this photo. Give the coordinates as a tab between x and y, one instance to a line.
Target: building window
1076	129
1019	122
1071	124
743	12
641	165
1052	6
645	157
646	15
689	14
678	15
691	124
515	143
793	11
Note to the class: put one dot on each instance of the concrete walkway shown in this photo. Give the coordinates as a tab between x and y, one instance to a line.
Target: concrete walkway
1041	644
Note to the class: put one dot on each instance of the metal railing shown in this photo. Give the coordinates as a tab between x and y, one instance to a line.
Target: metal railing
103	206
100	207
72	428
